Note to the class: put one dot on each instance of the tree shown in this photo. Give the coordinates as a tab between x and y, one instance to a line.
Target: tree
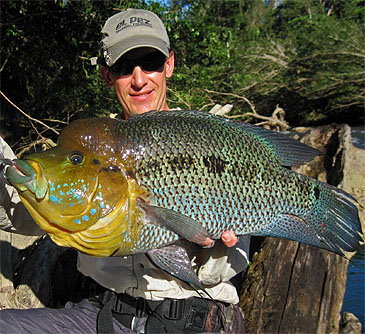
303	56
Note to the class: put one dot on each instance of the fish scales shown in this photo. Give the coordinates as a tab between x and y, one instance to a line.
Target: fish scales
122	187
210	171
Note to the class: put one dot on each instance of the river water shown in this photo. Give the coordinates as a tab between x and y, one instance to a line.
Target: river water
354	301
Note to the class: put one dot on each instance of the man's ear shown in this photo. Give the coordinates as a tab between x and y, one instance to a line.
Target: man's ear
170	64
107	76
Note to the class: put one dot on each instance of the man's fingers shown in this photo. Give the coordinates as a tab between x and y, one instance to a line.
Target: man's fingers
229	238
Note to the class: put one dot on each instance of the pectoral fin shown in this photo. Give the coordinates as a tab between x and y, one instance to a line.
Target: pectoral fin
174	260
182	225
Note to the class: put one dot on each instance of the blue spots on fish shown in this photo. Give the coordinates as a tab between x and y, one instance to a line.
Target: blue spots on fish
77	196
77	221
85	218
102	205
92	211
53	198
62	193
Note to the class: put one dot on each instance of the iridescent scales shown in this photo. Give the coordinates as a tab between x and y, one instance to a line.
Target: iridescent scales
115	187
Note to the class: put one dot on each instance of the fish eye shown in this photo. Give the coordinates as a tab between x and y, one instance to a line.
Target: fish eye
76	158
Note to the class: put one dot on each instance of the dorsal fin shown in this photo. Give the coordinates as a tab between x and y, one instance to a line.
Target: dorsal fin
290	152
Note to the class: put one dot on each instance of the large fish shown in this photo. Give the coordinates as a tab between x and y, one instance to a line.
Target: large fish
113	188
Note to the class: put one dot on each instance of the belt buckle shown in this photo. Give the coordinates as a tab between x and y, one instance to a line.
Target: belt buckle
176	309
197	316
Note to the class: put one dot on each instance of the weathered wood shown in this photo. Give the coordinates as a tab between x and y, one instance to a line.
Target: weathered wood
289	289
295	288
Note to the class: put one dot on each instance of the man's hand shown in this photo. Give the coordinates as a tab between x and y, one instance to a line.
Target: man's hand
228	238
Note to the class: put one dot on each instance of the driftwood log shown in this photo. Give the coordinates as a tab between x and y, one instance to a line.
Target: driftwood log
288	288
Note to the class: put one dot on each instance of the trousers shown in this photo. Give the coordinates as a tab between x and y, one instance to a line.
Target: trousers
80	318
74	318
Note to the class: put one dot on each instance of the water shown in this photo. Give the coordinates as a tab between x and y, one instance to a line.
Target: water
354	300
358	136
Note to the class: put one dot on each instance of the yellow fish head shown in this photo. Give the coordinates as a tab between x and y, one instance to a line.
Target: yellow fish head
70	187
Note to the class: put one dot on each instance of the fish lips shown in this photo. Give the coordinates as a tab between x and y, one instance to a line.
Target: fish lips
28	175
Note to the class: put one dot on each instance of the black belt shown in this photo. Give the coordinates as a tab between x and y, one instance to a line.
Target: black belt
163	316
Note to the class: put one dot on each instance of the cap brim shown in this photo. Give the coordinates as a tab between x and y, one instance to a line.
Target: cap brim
119	49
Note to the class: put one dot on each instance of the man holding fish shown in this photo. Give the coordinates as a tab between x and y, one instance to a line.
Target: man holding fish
136	61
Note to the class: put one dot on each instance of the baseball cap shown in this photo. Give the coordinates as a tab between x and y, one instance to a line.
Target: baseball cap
130	29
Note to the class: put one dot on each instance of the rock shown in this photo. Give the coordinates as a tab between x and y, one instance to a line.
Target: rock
350	324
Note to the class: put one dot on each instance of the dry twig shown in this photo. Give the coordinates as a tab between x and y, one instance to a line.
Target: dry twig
26	115
276	120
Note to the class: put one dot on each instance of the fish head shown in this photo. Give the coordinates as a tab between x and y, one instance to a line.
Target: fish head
72	186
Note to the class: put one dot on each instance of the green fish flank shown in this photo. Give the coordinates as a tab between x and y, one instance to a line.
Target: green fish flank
146	182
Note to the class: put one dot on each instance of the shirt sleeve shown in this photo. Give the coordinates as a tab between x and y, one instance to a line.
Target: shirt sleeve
138	277
13	215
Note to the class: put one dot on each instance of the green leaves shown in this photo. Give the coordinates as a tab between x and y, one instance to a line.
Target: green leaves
305	56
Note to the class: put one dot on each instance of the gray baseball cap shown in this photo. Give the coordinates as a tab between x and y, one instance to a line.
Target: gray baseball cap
130	29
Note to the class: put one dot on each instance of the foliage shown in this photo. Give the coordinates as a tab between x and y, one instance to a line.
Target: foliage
307	56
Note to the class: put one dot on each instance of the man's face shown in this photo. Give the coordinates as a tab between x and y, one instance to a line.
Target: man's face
141	90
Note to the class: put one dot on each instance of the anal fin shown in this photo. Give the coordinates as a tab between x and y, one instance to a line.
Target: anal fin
175	261
294	228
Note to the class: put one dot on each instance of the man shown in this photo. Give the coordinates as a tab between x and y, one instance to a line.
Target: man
136	62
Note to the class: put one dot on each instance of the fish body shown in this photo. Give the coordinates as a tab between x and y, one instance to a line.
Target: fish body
114	187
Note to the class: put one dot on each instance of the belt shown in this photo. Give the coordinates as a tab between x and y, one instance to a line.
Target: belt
192	315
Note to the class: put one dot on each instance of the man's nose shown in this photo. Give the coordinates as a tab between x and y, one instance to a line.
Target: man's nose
139	78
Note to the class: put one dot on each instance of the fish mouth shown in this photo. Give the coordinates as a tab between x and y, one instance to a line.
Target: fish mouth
27	175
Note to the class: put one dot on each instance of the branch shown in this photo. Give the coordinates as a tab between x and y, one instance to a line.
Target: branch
276	120
179	98
47	143
28	116
241	97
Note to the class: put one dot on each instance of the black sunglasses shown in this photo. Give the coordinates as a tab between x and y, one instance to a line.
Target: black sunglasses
150	63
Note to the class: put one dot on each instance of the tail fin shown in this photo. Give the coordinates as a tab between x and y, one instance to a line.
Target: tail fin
336	220
333	222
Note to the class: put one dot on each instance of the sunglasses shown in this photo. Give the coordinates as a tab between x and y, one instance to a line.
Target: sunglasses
152	62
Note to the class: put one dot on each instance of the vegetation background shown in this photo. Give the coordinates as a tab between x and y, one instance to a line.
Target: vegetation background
305	56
